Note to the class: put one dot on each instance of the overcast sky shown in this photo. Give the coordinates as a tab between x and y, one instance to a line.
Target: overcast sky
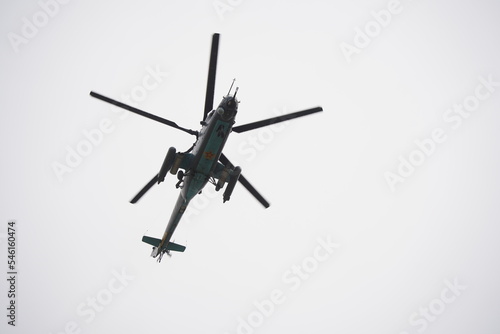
384	208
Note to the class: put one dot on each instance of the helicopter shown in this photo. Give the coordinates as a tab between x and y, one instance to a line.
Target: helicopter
204	161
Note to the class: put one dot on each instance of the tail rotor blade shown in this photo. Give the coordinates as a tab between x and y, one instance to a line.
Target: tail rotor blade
274	120
212	69
145	189
244	182
141	112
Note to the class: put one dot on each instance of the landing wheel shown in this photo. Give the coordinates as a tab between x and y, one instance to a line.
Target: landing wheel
180	177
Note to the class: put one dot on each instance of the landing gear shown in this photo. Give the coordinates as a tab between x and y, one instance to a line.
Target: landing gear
180	177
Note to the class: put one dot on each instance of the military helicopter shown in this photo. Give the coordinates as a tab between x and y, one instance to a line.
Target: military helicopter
204	162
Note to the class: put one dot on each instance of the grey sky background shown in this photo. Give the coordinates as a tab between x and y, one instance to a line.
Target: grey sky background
384	208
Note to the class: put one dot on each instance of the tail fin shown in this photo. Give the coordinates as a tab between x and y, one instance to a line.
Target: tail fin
170	246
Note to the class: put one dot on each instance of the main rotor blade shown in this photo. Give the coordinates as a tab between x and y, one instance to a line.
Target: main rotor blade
274	120
141	112
145	189
212	69
253	191
224	160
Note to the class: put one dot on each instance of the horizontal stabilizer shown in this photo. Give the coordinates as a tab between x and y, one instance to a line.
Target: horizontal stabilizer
152	241
175	247
171	246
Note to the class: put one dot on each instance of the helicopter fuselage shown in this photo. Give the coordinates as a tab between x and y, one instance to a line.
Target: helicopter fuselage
203	160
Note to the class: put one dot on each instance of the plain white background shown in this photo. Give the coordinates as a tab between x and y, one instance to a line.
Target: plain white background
325	175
